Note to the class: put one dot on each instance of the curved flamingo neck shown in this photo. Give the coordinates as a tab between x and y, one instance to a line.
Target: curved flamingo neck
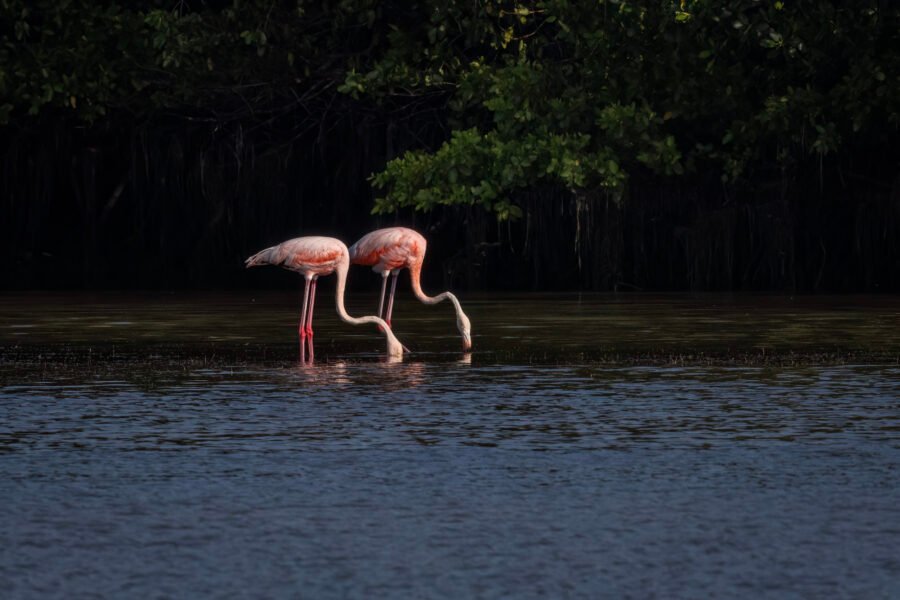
414	276
341	273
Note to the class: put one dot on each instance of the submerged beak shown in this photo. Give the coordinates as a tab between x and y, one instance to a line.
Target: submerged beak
467	344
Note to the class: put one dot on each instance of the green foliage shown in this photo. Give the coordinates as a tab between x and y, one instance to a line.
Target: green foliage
140	56
50	59
484	169
583	95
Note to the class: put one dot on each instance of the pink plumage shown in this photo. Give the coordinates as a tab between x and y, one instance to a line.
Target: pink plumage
394	248
314	256
309	256
389	249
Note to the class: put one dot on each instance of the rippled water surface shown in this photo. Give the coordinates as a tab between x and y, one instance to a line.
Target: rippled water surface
594	446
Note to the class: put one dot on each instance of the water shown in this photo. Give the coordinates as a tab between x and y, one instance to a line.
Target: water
601	446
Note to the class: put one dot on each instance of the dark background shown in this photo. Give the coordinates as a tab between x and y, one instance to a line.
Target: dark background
171	203
146	146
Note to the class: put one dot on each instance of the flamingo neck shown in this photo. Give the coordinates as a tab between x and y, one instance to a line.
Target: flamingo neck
414	275
341	272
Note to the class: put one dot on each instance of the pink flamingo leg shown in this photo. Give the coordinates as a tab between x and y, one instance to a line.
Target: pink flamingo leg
384	278
309	317
390	307
302	328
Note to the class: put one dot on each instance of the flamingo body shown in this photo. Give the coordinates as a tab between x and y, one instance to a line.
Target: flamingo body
391	249
312	257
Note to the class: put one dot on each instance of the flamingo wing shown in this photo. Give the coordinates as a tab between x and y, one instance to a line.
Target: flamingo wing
311	254
387	249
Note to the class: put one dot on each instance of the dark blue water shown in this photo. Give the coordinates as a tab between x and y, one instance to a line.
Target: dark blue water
171	471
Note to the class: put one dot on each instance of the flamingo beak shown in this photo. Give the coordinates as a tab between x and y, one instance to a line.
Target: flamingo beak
467	343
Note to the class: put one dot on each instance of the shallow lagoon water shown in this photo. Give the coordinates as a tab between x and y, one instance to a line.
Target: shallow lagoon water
170	446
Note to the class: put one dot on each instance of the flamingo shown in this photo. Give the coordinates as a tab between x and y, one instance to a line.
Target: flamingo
313	256
388	251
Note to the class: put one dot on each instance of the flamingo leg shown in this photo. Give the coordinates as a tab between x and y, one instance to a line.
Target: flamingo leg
309	316
384	278
390	306
302	328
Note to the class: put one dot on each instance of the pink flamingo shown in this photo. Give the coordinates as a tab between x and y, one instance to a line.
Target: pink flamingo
390	250
311	257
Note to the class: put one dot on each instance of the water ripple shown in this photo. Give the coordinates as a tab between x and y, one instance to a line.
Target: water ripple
184	468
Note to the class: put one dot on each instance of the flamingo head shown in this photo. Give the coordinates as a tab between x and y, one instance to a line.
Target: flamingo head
465	329
395	349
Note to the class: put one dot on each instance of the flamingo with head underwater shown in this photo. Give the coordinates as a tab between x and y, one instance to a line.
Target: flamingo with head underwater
388	251
312	257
